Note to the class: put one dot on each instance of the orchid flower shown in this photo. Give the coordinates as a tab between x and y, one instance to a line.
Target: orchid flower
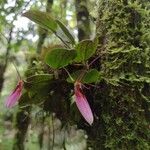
15	95
83	104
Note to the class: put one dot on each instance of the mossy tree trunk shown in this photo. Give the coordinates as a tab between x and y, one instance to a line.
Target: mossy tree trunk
121	104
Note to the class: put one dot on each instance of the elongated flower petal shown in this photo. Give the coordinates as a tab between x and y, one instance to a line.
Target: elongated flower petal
15	95
83	106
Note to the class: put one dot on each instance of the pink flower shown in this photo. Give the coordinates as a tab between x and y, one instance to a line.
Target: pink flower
83	104
15	95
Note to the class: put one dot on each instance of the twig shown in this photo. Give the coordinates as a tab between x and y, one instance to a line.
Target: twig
94	61
69	74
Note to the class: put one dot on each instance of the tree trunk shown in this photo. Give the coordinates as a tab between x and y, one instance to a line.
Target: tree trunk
22	123
43	32
2	71
121	104
83	21
3	67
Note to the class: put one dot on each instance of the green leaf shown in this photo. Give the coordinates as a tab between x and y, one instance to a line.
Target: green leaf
38	88
40	78
58	58
36	81
42	18
89	76
40	92
85	49
66	32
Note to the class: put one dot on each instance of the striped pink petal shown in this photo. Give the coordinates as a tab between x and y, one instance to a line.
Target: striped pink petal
15	95
83	106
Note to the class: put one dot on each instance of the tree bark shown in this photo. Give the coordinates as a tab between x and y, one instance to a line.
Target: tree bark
22	123
121	103
83	21
43	32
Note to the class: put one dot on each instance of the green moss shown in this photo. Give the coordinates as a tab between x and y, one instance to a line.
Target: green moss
124	98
